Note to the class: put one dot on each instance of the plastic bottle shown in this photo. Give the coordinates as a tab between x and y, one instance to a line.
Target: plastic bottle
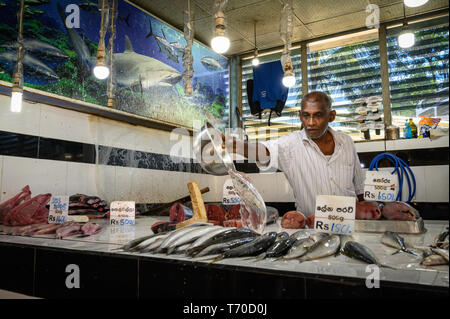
408	133
413	128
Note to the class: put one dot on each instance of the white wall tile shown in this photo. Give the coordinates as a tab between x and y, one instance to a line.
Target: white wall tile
43	176
25	122
374	146
81	178
152	140
115	134
436	181
124	181
105	181
68	125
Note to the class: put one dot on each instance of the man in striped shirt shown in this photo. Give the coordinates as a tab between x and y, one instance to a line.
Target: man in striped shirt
316	160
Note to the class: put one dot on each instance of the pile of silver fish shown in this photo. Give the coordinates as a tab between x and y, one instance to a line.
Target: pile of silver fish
202	239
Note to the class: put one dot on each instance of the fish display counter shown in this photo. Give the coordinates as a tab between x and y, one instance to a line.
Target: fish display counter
45	267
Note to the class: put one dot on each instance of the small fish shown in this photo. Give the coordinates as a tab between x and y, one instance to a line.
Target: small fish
190	236
199	242
282	236
163	44
211	64
260	244
433	260
154	245
142	245
228	234
222	247
440	252
299	248
323	248
278	249
441	239
358	251
68	229
175	234
394	240
136	242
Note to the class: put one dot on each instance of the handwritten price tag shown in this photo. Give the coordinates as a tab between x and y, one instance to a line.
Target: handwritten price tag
230	196
335	214
122	213
380	186
59	209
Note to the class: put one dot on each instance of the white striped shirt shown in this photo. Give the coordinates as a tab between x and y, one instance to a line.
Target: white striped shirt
310	173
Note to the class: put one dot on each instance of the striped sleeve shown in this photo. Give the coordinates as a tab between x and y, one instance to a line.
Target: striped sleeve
358	176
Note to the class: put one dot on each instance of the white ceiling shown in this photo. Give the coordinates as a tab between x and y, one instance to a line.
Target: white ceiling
313	18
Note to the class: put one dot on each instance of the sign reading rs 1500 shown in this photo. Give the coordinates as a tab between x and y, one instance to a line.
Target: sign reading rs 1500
335	214
380	186
122	213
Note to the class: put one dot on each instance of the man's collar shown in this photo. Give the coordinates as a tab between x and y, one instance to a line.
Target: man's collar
336	137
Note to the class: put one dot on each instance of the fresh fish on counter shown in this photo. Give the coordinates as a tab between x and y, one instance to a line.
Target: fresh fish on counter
68	229
174	235
135	242
441	240
361	252
144	244
259	245
299	248
89	229
225	236
302	245
432	259
325	247
282	236
278	249
440	252
20	231
394	240
222	247
154	245
302	234
199	242
181	249
190	236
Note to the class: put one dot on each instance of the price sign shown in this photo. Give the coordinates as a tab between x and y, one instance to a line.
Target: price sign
335	214
230	196
122	213
59	209
380	186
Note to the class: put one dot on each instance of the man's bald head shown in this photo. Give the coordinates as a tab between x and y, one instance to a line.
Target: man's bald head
317	97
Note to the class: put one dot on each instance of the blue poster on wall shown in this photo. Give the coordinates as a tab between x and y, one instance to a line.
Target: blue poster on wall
147	59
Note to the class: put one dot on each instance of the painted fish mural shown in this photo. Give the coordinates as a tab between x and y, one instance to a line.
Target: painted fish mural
147	59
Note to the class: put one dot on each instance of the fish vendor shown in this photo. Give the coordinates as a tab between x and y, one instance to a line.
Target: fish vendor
316	160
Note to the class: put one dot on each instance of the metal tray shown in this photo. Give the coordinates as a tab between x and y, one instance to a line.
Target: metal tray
398	226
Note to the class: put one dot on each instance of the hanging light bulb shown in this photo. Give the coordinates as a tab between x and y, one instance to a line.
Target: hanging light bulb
101	70
415	3
286	26
255	60
406	37
17	87
289	78
220	43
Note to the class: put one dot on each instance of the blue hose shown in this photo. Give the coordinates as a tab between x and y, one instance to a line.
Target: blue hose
403	171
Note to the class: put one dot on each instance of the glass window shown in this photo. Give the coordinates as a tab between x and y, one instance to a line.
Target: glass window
418	76
347	73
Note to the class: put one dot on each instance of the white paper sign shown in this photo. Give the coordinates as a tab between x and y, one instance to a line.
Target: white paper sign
380	186
230	196
59	209
122	213
335	214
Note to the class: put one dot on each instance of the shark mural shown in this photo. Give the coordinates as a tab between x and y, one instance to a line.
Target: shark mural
148	53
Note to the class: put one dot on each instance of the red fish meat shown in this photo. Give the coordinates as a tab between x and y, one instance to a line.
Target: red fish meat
367	210
7	206
399	211
293	220
91	228
68	229
31	212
